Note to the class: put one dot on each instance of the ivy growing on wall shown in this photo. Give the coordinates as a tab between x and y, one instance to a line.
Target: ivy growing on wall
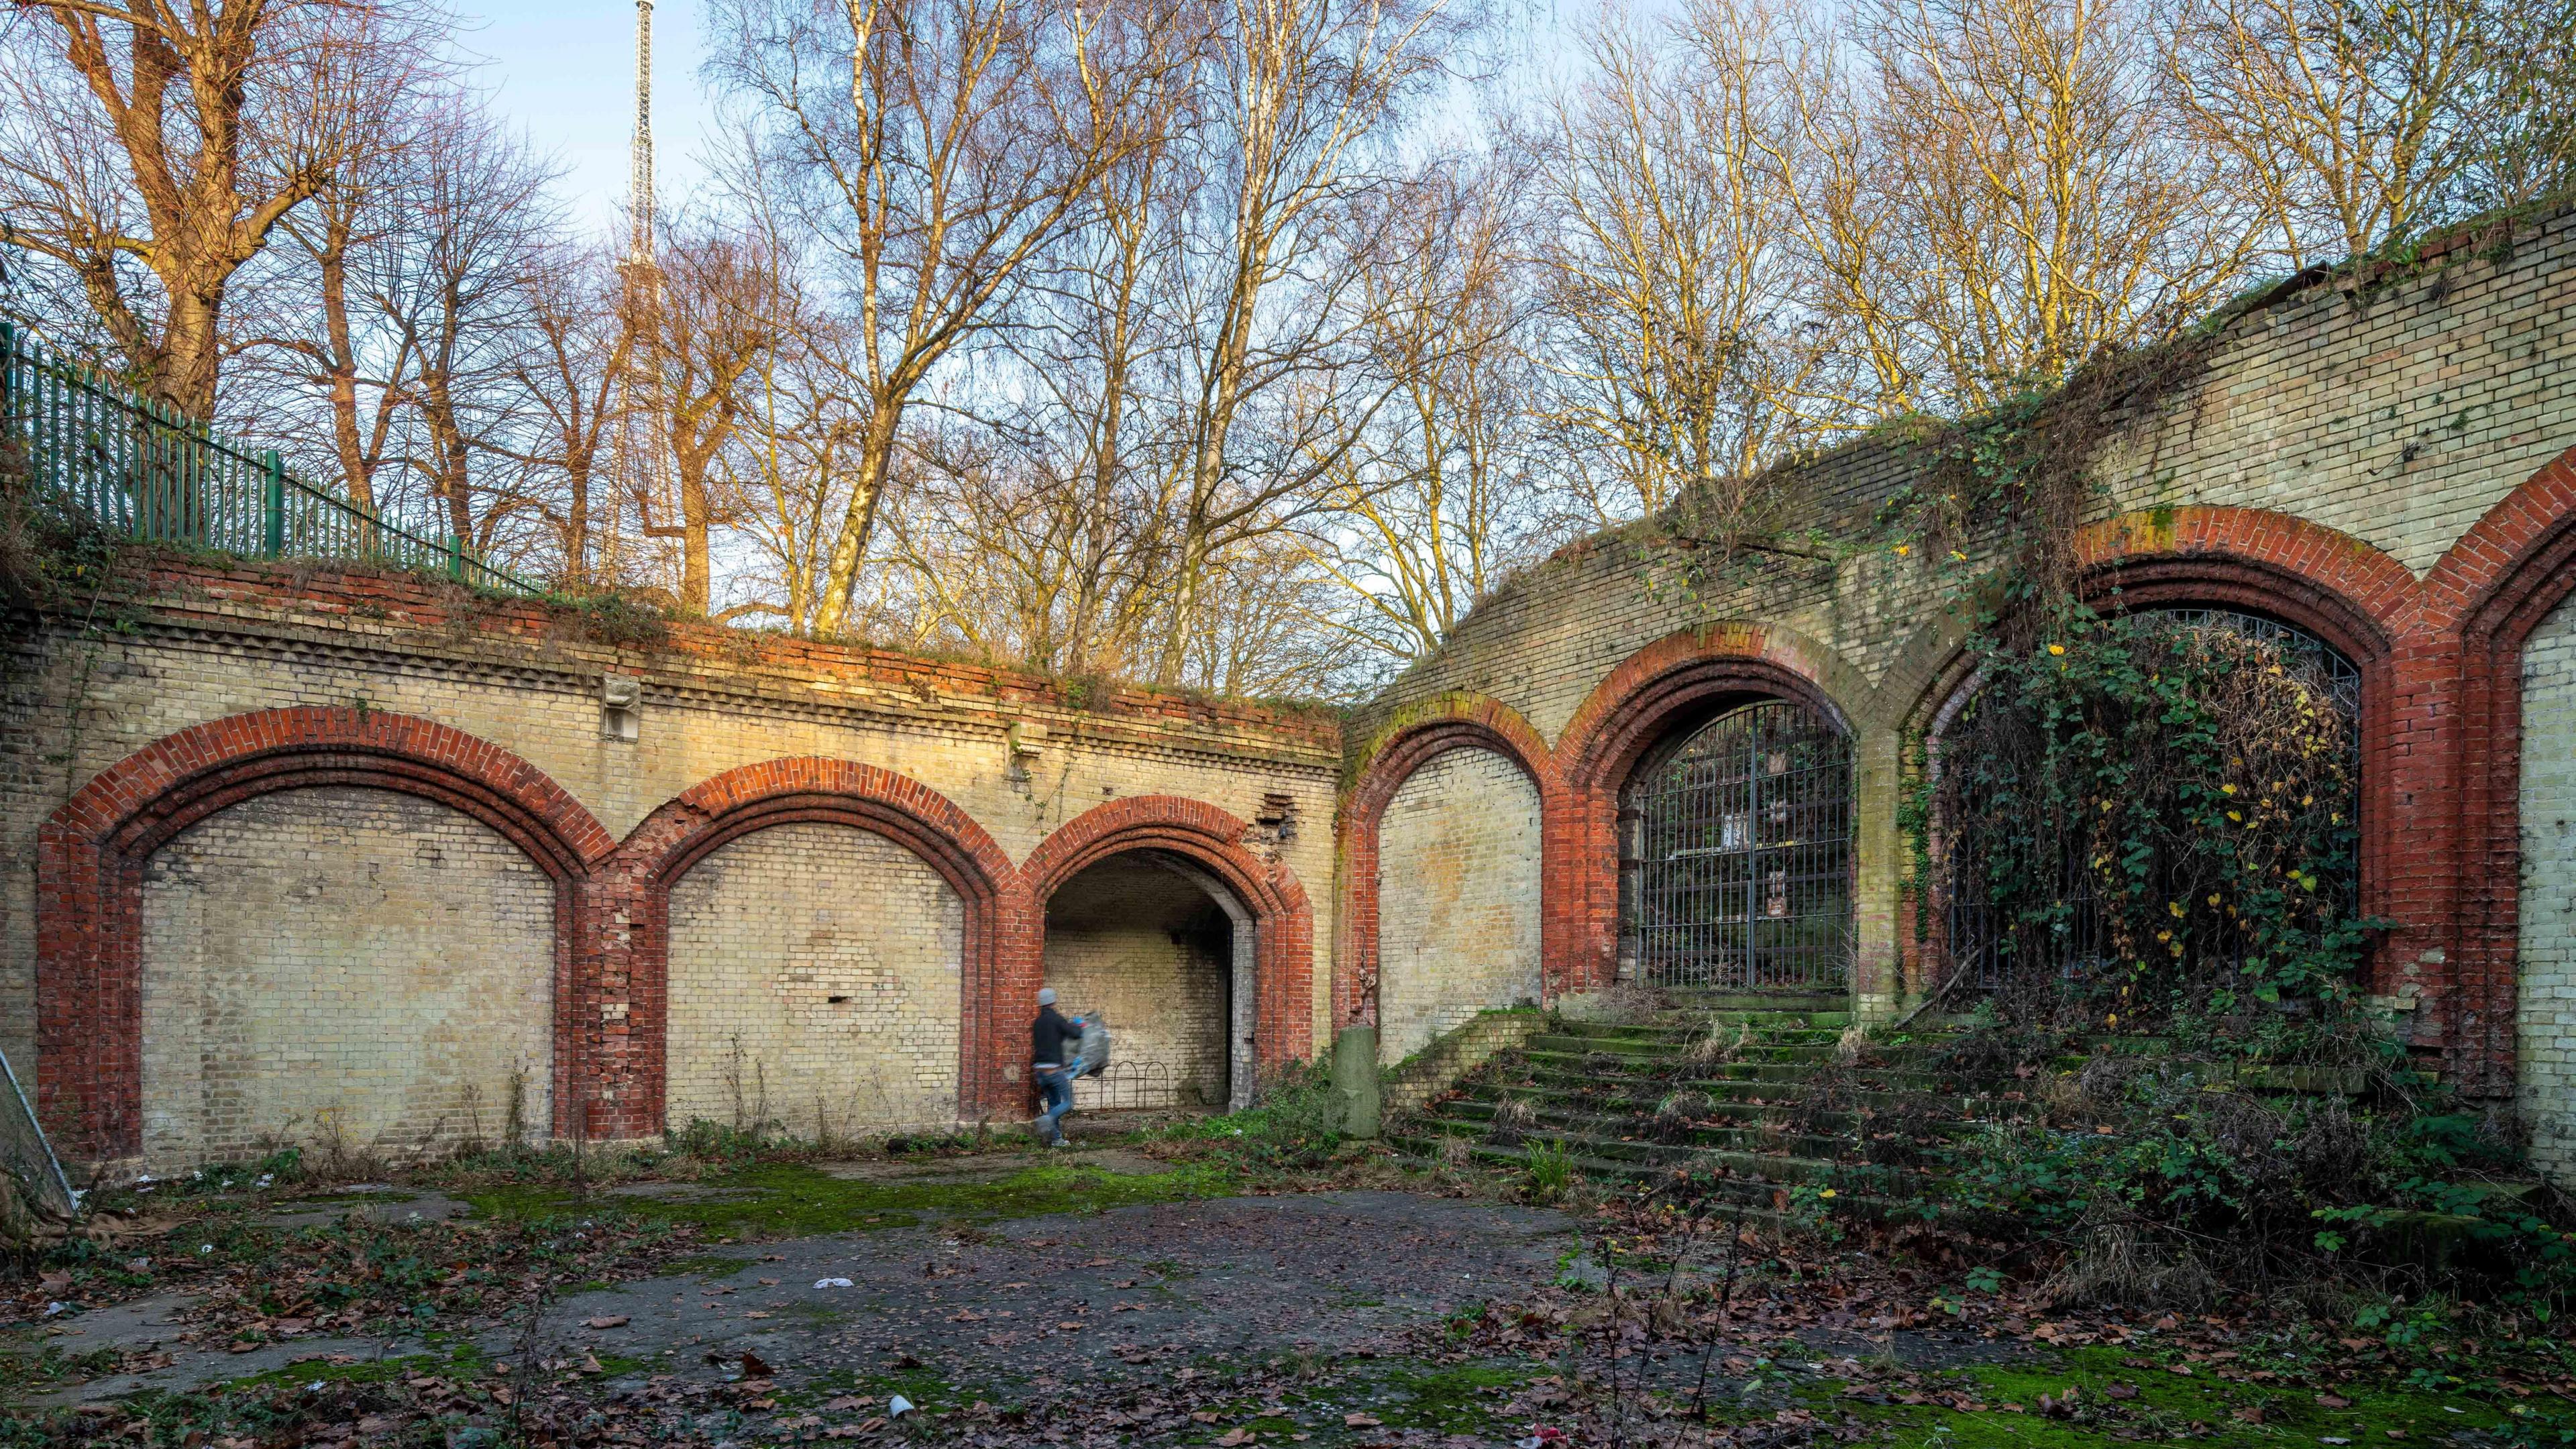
2155	823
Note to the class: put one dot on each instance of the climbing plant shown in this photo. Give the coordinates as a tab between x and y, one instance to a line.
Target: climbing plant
2156	820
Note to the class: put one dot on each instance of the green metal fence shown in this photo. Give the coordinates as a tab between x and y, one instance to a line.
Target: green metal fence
146	471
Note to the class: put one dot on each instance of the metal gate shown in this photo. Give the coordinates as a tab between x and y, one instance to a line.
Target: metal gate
1740	863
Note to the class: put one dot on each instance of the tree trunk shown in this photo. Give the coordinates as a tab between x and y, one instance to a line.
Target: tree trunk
850	545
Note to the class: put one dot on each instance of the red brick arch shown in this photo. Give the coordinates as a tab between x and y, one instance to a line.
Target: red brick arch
1423	733
626	1016
2489	592
2333	585
2338	587
1283	919
90	857
1653	692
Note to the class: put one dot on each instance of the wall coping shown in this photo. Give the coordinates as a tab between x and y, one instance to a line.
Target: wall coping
424	618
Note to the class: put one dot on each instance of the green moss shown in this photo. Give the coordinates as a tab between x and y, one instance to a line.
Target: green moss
2201	1407
1455	1398
929	1393
465	1359
792	1200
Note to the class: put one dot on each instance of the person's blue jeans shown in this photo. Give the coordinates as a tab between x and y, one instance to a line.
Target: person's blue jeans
1056	1088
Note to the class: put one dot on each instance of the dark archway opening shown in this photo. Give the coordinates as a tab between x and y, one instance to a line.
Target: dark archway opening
1736	854
1162	953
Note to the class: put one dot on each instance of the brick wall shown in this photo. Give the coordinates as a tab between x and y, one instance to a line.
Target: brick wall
342	965
1441	1065
814	985
1154	953
1458	898
2547	1019
2386	457
221	685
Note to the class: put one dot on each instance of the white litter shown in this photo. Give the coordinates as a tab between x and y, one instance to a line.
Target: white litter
831	1282
204	1248
314	1387
53	1308
898	1406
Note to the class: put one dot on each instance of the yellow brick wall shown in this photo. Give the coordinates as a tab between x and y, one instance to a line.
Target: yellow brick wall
2546	1049
814	987
78	704
1458	898
342	965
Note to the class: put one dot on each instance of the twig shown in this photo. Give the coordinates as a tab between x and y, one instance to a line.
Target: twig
1725	1301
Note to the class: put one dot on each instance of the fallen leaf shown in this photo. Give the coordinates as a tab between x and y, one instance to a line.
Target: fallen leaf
1357	1420
2333	1401
753	1368
1232	1437
614	1320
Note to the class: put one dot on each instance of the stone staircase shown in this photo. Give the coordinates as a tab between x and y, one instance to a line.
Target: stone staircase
1753	1095
1762	1103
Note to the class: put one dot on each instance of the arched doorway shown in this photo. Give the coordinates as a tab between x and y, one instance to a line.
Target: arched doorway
1162	953
1736	859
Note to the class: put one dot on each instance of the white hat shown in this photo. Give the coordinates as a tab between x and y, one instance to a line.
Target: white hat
1046	996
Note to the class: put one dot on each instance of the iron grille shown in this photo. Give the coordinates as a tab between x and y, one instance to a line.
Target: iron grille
1976	940
1741	862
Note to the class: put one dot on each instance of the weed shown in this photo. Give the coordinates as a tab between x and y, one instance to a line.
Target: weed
1549	1169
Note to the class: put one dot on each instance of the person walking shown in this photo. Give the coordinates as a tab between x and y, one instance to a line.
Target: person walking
1051	1040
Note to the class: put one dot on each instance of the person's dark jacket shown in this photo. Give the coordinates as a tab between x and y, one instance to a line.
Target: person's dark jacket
1052	1038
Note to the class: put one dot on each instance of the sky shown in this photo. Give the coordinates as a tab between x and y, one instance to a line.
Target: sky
564	72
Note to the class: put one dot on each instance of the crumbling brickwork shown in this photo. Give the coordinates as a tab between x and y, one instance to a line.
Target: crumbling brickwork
224	685
2381	457
2384	457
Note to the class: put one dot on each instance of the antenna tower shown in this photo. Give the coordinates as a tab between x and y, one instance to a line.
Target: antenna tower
642	438
639	184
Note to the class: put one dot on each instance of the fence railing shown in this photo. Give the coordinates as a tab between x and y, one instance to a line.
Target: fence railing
148	472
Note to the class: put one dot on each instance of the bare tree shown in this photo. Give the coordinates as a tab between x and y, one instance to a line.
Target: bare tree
706	326
1293	104
1442	494
935	146
2357	124
2031	195
577	350
450	282
1672	297
153	148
